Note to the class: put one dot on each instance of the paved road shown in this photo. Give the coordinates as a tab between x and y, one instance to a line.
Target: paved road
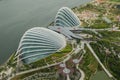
105	29
68	77
66	59
107	72
28	71
80	70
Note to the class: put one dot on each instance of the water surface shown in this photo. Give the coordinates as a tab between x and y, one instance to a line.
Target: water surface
17	16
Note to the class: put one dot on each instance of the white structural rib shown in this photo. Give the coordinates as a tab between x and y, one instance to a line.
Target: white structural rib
38	42
66	18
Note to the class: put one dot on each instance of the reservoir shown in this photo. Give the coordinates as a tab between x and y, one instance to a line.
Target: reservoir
17	16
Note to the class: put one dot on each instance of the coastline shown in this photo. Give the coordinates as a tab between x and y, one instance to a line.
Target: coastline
3	61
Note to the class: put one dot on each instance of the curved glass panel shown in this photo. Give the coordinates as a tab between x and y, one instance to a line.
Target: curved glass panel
66	18
38	42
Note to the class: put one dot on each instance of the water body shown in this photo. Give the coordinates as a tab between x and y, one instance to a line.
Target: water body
17	16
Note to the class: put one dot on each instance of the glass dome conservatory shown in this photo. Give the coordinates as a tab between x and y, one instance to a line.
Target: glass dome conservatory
66	18
38	43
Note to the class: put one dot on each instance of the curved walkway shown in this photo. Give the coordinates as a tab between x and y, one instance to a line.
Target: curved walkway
81	71
28	71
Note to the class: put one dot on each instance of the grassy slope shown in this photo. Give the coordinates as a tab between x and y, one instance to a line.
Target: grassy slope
89	64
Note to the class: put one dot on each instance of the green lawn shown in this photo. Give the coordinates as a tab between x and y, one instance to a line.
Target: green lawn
100	75
111	61
89	64
54	56
62	53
